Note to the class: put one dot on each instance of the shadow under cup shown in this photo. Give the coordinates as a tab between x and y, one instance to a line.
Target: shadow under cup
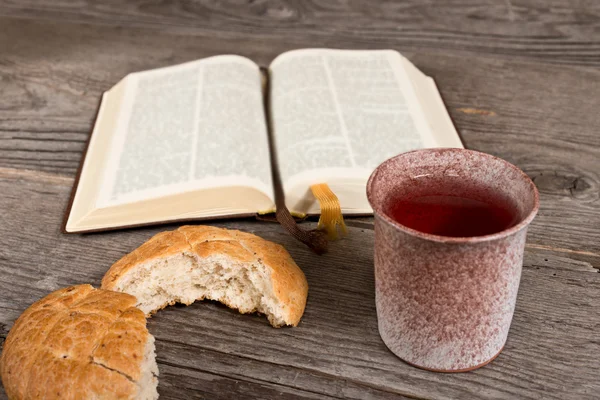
445	303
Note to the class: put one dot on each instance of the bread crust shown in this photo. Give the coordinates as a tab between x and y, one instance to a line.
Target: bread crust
288	280
77	342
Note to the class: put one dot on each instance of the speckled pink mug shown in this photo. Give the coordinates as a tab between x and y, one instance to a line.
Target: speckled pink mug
446	303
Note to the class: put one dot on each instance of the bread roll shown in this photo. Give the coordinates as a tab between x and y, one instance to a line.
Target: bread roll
192	263
80	343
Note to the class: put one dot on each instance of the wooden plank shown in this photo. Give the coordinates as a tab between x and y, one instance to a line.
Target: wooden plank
336	351
553	31
186	383
285	378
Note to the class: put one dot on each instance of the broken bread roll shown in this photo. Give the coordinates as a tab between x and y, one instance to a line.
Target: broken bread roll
240	270
80	343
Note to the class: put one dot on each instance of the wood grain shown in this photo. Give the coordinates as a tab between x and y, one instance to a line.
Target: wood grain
336	351
520	80
554	31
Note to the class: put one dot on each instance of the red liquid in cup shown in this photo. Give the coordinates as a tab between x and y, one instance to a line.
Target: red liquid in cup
452	215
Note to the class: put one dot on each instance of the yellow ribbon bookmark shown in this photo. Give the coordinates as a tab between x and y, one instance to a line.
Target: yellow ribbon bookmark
331	213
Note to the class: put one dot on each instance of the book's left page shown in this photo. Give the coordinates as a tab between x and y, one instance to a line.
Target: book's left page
182	142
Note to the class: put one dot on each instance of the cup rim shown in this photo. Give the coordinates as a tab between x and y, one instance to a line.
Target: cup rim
452	239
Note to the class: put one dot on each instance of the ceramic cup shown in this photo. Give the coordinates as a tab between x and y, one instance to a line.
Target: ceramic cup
446	303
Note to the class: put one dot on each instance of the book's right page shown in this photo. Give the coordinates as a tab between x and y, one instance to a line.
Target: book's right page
337	114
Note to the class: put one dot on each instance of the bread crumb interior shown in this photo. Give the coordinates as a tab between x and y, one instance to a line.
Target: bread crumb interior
185	278
149	373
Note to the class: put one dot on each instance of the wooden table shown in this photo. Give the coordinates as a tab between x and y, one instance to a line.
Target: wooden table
520	79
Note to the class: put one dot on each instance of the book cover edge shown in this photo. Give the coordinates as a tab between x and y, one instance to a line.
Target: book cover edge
78	174
164	222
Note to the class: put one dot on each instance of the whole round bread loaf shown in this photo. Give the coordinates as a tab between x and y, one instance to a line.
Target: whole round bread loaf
80	343
192	263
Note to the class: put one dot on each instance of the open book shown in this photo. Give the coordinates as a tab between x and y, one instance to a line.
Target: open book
191	141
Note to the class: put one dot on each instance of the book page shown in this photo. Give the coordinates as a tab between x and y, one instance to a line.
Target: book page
194	125
343	112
